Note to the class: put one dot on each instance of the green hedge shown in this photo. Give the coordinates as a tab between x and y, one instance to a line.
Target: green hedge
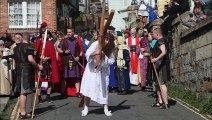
202	103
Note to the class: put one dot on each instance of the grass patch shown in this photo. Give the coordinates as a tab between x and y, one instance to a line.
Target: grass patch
3	115
203	103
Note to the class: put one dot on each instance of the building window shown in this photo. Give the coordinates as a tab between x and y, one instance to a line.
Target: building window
24	14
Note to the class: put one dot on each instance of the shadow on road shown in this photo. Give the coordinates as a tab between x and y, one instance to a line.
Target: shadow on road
132	91
120	106
172	102
44	110
56	97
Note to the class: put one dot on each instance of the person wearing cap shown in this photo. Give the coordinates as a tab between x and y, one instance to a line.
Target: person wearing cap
133	43
126	33
50	73
111	30
95	81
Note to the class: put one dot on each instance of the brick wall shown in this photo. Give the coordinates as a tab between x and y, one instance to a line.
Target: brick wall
3	16
49	12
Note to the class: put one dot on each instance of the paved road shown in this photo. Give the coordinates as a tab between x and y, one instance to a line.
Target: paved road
3	102
135	106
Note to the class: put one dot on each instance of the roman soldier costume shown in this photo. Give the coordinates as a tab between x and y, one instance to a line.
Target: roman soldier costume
50	71
71	69
23	68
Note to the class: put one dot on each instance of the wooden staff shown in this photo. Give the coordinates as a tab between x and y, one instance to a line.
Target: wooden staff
156	73
39	72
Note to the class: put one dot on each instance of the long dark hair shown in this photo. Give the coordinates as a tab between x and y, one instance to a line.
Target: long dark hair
109	48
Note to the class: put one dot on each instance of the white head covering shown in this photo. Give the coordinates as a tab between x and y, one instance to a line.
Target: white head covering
1	42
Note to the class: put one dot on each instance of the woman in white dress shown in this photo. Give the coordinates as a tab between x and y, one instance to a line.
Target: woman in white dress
95	81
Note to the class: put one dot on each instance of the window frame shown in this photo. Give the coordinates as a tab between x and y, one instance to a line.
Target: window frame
24	14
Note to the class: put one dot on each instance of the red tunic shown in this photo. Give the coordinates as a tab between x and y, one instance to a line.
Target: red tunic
49	52
134	55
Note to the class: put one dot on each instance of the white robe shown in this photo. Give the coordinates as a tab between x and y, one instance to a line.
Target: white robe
5	74
95	82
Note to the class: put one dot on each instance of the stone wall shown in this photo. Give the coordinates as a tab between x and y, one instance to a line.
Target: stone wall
191	56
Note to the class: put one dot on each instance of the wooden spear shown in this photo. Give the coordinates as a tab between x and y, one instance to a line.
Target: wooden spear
39	73
156	73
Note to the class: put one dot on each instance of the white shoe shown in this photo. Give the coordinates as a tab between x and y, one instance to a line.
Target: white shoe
108	113
84	112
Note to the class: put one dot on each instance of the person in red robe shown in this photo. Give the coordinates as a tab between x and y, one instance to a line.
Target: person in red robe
50	71
133	42
58	87
79	41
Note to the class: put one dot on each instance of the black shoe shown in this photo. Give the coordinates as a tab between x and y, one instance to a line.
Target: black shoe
78	95
113	91
48	99
63	96
157	104
40	100
143	89
119	92
124	92
26	116
164	107
152	95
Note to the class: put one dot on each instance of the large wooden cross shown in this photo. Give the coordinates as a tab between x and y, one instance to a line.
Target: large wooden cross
103	31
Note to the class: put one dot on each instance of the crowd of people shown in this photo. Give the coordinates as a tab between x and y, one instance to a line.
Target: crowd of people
67	61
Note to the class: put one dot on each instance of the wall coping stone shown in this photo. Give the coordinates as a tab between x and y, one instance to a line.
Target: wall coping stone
200	25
